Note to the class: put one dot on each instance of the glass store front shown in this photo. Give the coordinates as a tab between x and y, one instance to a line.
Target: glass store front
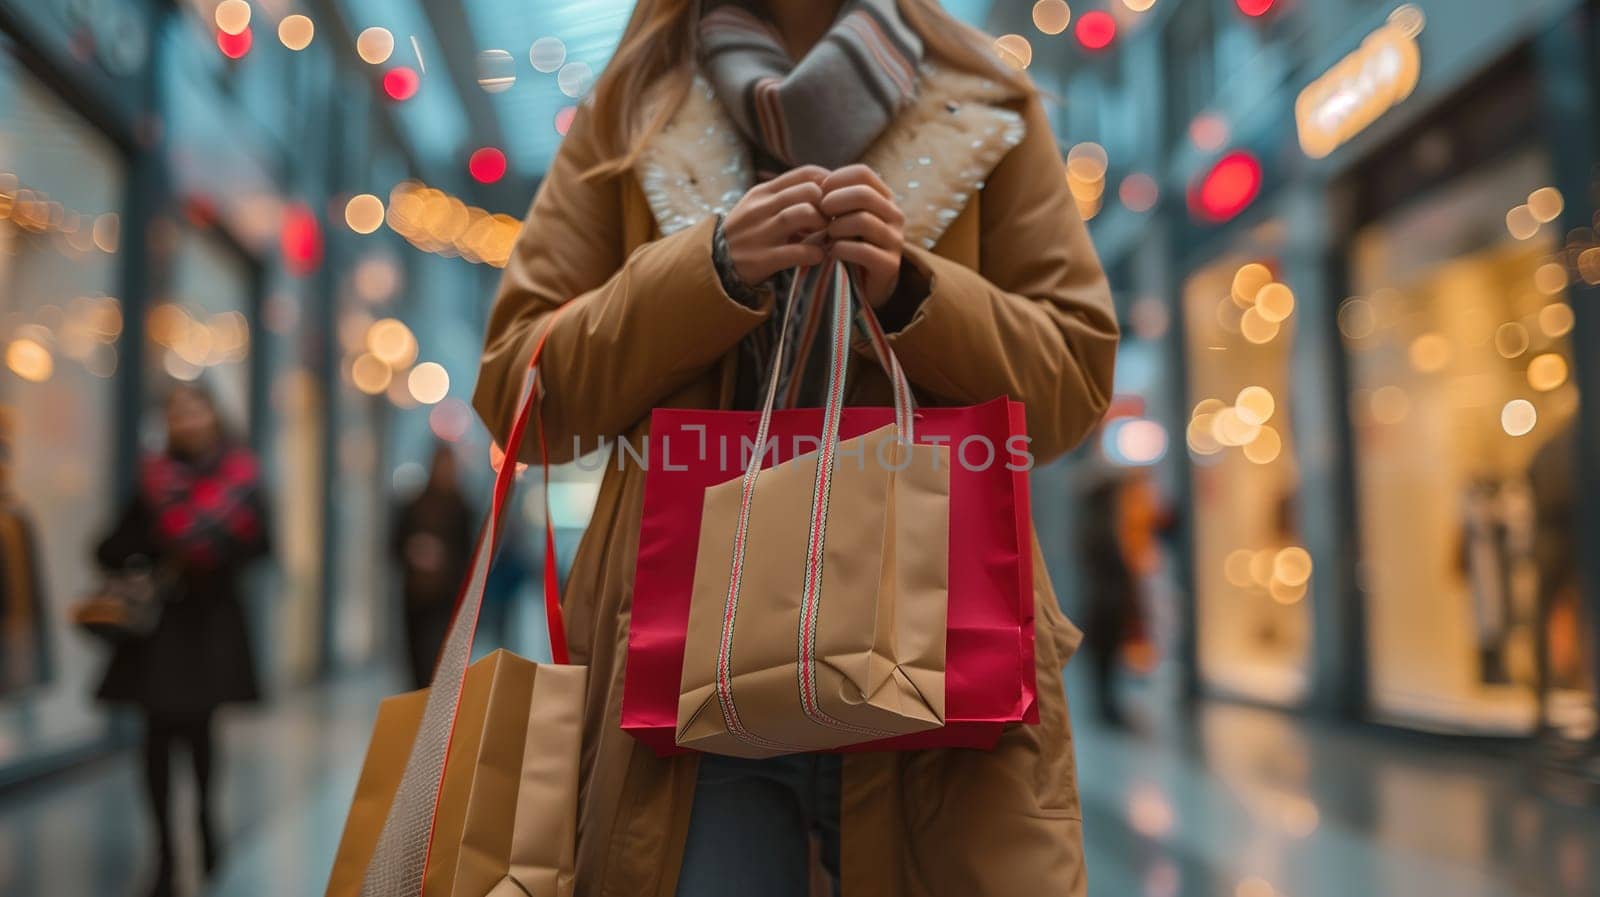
1463	413
61	187
1251	571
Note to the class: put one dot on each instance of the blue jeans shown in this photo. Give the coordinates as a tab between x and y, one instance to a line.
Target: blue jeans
751	825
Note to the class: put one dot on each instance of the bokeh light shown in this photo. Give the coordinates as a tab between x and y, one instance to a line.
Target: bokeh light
1139	192
1518	417
375	45
547	54
235	46
1051	16
574	79
1547	372
296	32
401	83
1015	50
429	382
487	165
232	16
364	213
1096	30
370	374
497	71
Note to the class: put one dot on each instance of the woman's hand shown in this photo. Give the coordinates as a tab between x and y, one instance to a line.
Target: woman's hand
865	228
769	230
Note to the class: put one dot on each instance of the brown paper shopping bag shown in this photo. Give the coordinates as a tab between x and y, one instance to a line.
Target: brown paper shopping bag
470	786
818	613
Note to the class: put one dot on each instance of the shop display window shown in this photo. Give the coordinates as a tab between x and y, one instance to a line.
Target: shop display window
61	186
1464	419
202	329
1252	572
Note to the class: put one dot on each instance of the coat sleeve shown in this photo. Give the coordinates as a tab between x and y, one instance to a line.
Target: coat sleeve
1035	322
640	326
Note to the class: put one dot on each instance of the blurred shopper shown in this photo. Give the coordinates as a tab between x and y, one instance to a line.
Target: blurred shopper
199	516
1118	550
669	224
432	543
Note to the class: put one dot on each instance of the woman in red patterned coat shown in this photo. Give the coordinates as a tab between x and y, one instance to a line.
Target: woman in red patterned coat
197	518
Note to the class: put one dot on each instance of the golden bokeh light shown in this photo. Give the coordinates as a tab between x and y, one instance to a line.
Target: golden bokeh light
232	16
1207	406
1285	593
1511	339
375	45
1248	282
296	32
392	342
1015	50
1545	204
1292	566
1139	5
364	213
1236	567
1261	562
1556	319
1265	448
1229	429
107	232
29	359
1589	265
1551	278
1275	302
1201	442
1518	417
1087	161
1430	352
1521	224
1255	405
429	382
1357	319
1052	16
1256	328
1547	372
370	374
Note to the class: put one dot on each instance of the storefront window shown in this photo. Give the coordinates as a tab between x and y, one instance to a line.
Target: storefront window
61	184
202	331
1252	572
1464	422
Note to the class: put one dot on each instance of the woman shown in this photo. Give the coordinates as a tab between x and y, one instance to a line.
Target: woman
707	165
197	519
432	543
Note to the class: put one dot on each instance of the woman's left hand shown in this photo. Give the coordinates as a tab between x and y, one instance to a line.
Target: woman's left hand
865	228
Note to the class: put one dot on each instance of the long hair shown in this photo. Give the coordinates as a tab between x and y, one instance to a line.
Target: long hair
653	68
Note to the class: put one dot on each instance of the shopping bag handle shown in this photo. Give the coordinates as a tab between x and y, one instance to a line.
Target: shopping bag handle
400	861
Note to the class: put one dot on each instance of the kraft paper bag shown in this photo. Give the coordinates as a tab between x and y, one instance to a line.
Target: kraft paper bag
507	807
768	670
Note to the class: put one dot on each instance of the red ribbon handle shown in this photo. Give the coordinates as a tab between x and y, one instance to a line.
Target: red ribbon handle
507	474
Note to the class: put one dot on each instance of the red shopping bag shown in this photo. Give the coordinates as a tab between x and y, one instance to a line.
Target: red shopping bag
989	675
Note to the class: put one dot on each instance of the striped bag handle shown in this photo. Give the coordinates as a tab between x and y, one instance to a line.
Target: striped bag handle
844	291
400	861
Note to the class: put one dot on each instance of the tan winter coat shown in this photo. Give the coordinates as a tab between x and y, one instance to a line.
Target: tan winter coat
1018	306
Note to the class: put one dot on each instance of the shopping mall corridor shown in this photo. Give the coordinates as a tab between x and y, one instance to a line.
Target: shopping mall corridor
1238	802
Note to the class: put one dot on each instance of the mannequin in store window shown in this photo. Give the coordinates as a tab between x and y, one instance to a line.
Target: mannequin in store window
199	517
24	641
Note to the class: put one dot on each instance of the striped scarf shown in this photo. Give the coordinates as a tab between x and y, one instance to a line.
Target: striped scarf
866	65
826	109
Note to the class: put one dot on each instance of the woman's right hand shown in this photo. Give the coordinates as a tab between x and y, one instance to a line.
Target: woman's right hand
772	227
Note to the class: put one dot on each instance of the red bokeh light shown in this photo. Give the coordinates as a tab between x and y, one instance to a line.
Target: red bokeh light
564	119
1228	188
1097	29
234	46
401	83
487	165
1255	7
300	240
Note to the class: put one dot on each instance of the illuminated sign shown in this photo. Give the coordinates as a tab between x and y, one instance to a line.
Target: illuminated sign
1363	86
1227	189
